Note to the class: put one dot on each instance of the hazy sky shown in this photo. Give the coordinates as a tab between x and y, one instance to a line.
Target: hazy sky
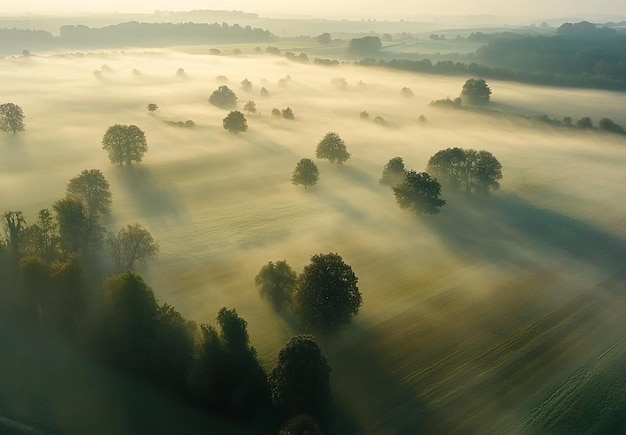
333	9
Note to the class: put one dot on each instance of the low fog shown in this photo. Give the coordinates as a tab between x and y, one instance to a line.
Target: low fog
451	287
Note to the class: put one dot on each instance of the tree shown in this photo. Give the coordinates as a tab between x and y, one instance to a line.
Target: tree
607	124
235	122
367	45
131	320
11	118
78	233
393	172
406	92
276	282
246	85
133	244
326	294
305	173
125	144
288	113
475	92
264	92
301	424
93	189
419	192
333	148
43	238
152	107
14	228
466	169
325	38
223	98
250	107
276	112
300	381
584	123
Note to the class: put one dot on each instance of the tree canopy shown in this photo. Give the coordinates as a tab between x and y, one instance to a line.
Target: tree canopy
131	245
326	294
11	118
332	148
419	192
125	144
276	282
235	122
250	106
93	189
300	381
475	92
470	170
393	172
366	45
223	97
305	173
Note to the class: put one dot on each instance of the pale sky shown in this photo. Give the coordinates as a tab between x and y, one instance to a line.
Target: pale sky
351	9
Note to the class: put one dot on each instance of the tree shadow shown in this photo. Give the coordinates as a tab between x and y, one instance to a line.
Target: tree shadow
157	202
14	154
509	229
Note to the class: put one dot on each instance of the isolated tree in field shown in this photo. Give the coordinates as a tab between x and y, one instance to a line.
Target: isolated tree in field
235	122
475	92
276	112
366	45
264	92
152	107
223	98
393	172
470	170
406	92
11	118
93	189
325	38
288	113
246	85
276	282
250	107
300	381
305	173
326	294
125	144
332	148
132	245
419	192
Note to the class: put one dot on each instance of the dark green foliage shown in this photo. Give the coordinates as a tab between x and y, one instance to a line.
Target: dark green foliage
300	381
393	172
11	118
130	321
93	189
475	92
77	232
305	173
301	425
332	148
584	123
609	125
419	192
235	122
367	45
326	294
276	282
125	144
152	107
223	98
172	347
42	237
14	225
473	171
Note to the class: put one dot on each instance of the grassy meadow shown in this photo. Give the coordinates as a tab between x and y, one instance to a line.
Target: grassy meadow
472	321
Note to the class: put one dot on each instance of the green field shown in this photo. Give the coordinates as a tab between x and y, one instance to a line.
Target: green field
495	316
